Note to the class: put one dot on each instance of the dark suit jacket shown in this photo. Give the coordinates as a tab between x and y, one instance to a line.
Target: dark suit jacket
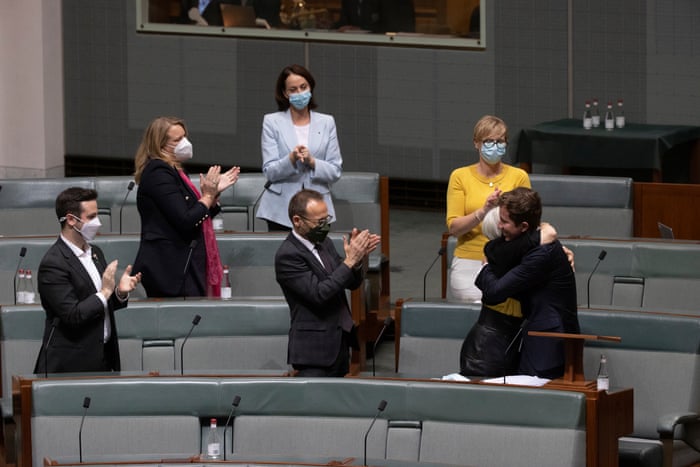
67	292
171	218
316	299
545	285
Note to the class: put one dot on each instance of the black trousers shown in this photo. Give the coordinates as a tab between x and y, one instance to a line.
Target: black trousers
339	368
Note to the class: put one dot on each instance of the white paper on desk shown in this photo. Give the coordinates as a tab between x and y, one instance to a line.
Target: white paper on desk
522	380
454	377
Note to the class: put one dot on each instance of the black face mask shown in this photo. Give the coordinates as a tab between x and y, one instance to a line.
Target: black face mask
318	234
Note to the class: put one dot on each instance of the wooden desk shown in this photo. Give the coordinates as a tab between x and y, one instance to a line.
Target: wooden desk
636	147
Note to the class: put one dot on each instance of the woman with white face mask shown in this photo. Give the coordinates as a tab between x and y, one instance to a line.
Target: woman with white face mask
178	255
299	148
472	192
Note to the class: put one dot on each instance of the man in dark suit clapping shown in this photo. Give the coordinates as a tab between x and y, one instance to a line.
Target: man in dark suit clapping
313	278
79	292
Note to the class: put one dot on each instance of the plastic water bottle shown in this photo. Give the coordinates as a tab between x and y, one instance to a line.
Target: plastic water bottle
213	442
609	118
595	114
620	115
587	116
21	288
217	224
226	284
29	292
603	380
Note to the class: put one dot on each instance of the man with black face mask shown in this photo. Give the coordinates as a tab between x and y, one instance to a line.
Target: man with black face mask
79	292
313	278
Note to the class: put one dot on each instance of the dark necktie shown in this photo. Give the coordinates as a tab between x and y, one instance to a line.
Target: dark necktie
325	258
345	316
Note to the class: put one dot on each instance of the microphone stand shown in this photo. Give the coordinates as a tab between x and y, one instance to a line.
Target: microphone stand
121	206
86	406
257	200
54	323
601	257
380	409
387	323
236	401
193	244
441	252
22	253
195	322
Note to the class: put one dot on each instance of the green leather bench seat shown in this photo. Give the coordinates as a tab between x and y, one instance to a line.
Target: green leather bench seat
586	205
249	334
659	356
635	274
287	418
27	205
251	257
430	342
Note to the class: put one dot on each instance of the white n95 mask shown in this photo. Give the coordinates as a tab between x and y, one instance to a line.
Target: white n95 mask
183	150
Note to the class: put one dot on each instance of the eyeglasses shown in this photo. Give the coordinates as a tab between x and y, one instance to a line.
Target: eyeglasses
319	222
489	143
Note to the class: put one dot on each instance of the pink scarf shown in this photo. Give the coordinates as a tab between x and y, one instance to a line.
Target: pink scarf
214	268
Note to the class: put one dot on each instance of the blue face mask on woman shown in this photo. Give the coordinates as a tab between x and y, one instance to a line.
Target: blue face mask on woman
493	152
300	100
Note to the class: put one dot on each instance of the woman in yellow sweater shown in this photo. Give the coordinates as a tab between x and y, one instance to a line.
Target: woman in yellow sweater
471	193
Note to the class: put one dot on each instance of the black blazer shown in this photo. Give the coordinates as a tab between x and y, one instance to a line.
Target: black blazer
171	218
546	287
67	292
316	300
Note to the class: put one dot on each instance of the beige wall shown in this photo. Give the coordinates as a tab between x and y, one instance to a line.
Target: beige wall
31	89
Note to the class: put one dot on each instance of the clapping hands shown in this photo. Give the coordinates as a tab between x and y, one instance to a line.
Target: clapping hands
301	153
360	244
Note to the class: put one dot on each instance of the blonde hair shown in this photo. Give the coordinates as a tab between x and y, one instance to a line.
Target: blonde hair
486	125
154	139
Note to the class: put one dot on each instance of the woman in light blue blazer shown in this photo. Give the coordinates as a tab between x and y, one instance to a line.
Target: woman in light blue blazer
299	148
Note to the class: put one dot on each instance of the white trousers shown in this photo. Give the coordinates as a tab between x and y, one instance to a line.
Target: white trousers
461	286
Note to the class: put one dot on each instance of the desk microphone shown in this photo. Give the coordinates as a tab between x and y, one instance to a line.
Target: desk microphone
380	409
387	323
441	252
54	323
195	322
257	200
234	404
505	354
193	245
22	253
601	257
121	206
86	406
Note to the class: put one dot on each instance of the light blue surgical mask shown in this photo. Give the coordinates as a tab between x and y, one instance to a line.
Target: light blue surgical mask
494	152
300	100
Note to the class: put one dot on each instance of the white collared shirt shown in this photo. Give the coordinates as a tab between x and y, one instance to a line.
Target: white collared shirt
88	261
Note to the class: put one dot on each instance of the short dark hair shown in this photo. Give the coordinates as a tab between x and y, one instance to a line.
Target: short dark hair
281	86
298	203
68	201
523	205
